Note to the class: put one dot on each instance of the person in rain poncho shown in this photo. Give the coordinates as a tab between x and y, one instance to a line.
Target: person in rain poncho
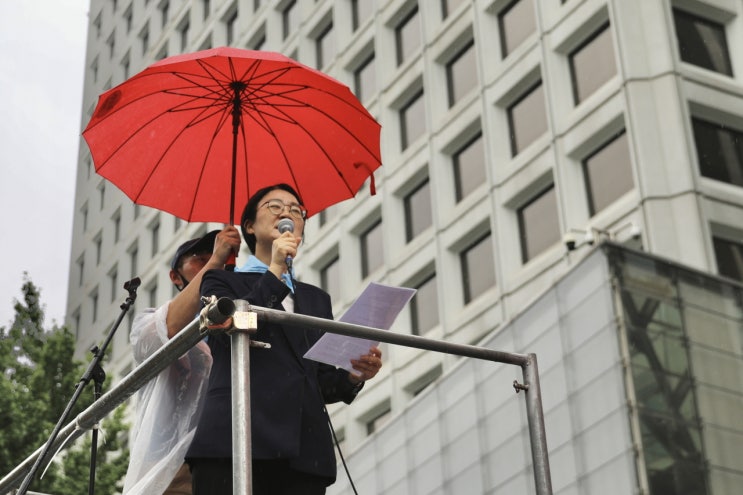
168	406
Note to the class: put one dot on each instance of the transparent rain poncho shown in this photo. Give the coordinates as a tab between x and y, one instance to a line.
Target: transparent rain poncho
168	407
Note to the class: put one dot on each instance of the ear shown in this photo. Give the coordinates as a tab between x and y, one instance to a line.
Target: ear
249	227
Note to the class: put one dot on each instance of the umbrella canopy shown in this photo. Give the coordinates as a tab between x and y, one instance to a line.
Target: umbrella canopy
197	134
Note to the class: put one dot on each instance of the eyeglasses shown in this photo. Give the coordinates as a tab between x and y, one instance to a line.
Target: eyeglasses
276	206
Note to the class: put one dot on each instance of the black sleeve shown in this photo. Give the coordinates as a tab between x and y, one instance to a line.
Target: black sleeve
259	289
335	385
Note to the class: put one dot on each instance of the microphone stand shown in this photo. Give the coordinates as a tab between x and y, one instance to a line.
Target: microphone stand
95	372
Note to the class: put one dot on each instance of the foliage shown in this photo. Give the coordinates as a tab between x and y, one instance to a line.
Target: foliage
38	376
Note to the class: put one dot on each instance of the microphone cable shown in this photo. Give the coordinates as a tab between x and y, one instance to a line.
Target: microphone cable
338	447
325	409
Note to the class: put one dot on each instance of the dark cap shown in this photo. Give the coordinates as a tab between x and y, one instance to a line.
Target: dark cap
198	245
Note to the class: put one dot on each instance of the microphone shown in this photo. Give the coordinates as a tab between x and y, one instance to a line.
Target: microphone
286	225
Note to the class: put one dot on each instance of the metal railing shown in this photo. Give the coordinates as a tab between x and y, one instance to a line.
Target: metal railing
193	333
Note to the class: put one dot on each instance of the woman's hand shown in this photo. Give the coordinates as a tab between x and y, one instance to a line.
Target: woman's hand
366	366
284	245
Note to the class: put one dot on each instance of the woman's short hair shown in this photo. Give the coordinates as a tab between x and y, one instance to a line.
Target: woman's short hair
251	209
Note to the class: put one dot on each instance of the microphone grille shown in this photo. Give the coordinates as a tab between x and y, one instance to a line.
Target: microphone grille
285	225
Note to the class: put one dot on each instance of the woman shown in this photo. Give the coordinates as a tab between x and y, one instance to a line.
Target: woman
292	449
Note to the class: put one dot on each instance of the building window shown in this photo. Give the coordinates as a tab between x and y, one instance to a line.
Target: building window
113	277
729	256
84	215
660	361
516	23
365	79
81	269
98	241
133	260
177	223
539	225
418	215
527	119
116	219
424	307
229	27
478	268
97	25
289	19
372	249
330	279
125	64
361	10
94	70
325	47
469	167
408	36
449	6
719	151
110	42
378	421
102	194
592	64
608	173
412	120
94	305
144	37
258	44
164	12
461	73
702	42
206	8
76	318
128	19
155	238
183	33
329	214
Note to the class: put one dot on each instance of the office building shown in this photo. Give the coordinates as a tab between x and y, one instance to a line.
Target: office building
518	136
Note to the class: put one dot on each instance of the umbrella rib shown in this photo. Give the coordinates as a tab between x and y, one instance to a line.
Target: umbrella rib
301	103
142	127
165	152
273	134
218	127
287	118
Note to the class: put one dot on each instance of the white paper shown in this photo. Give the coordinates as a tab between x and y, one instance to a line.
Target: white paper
376	307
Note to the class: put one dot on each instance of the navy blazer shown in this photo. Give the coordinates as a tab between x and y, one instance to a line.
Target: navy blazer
287	392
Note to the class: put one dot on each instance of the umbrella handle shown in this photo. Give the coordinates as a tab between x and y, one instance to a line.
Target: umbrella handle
229	265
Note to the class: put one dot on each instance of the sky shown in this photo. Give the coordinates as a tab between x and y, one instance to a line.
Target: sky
42	58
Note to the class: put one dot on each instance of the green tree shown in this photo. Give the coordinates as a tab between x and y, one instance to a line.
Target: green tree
38	376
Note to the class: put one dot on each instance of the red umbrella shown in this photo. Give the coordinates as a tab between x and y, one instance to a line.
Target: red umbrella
197	134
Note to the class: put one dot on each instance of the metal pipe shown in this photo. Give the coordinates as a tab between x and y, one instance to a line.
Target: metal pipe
360	331
537	435
242	465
